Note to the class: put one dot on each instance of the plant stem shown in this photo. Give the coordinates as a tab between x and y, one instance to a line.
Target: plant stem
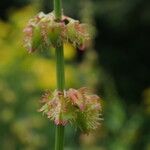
59	137
60	67
59	133
58	9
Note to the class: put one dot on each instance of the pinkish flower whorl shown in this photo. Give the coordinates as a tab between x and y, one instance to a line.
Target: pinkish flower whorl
44	31
78	107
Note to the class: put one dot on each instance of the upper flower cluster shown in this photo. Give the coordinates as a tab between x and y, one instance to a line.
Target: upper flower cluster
43	31
78	107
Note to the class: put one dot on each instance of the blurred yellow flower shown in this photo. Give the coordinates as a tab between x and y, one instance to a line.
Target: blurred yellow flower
45	72
5	30
69	51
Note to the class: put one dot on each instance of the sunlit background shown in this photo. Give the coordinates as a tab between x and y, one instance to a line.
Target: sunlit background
116	66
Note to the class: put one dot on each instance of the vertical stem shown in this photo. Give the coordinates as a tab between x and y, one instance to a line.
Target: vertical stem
60	67
59	137
58	9
59	133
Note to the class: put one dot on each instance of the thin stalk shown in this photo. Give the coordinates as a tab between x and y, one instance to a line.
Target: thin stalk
58	9
59	133
60	67
59	137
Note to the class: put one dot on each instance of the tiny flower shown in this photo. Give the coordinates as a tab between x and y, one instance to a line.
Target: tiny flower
60	122
53	33
76	98
88	118
28	30
36	39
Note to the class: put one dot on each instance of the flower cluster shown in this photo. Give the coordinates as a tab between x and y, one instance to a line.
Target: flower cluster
78	107
44	31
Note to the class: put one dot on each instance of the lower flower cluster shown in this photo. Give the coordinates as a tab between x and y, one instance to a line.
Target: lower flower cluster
80	108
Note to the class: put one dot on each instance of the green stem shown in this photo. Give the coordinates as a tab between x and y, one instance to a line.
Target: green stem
60	67
59	137
58	9
59	133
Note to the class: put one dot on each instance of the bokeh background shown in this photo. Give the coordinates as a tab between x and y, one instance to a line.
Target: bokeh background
116	66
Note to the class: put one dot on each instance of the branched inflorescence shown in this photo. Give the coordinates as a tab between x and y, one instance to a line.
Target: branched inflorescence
44	31
78	107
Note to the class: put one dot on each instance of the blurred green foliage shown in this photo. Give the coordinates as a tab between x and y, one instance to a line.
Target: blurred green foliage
126	105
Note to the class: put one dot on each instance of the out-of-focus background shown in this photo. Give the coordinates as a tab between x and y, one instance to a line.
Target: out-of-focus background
116	65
